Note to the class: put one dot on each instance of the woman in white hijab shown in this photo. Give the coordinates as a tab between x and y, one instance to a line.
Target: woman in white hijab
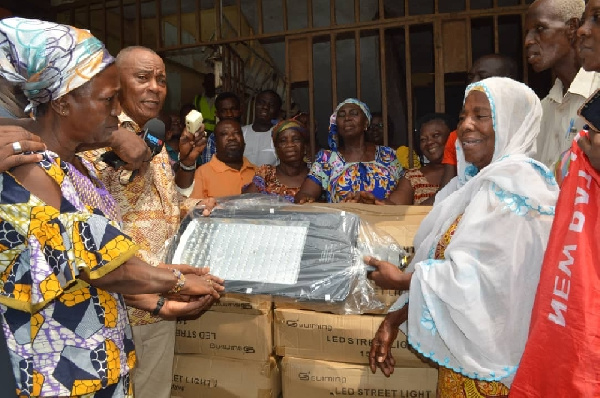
479	251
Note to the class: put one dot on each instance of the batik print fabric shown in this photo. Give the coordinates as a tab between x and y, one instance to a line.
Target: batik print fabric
150	204
340	178
267	183
48	60
65	338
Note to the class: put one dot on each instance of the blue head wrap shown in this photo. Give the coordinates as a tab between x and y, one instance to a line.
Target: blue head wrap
332	138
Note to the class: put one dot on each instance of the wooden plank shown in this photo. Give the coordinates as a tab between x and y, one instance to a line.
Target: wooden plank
138	21
285	14
311	99
357	62
524	53
159	43
122	26
261	24
179	23
454	43
104	23
438	53
298	70
409	92
218	18
332	18
334	98
239	21
496	36
198	21
288	73
382	73
469	43
397	22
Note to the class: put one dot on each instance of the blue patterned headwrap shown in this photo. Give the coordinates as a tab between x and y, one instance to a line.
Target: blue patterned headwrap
47	60
332	138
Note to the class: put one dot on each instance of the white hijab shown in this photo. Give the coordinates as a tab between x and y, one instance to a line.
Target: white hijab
470	312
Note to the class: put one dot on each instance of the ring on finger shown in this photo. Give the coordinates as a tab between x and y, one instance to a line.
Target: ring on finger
17	148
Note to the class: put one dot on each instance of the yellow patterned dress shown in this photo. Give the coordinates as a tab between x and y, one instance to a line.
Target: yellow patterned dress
65	337
450	383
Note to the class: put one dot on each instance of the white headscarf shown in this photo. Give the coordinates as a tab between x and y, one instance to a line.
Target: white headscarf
470	312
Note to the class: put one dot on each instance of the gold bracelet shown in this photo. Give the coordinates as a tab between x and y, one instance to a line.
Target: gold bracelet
180	281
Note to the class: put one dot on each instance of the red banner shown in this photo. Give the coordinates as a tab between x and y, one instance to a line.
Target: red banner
562	355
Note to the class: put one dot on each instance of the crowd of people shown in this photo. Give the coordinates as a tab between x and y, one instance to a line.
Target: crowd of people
87	305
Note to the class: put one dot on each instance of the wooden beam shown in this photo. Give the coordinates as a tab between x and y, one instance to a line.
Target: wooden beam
311	99
409	95
138	21
383	75
122	24
198	21
259	6
332	18
333	51
496	36
218	16
159	25
285	14
357	63
179	23
438	53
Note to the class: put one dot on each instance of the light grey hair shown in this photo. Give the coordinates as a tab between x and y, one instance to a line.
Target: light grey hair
127	50
565	9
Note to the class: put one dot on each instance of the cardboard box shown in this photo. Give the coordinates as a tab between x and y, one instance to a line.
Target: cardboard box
243	304
302	378
401	222
213	377
330	337
229	335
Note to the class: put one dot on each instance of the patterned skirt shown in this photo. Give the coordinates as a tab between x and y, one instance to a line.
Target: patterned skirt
455	385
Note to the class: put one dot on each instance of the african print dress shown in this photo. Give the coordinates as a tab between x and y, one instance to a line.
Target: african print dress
65	337
340	178
267	183
422	188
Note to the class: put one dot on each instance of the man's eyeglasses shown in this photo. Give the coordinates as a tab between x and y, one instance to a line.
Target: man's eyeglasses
380	125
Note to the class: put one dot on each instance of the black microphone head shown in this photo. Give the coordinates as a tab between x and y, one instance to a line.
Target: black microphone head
155	127
154	135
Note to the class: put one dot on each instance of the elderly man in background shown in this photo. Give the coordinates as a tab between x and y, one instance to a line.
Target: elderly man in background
150	205
550	43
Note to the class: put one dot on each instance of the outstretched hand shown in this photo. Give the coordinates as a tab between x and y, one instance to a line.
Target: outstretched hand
173	309
380	355
387	275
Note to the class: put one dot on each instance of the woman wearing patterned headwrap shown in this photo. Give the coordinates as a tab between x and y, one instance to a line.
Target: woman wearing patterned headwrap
64	262
353	164
290	139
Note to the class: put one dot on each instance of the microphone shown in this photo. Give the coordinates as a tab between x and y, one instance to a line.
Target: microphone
153	135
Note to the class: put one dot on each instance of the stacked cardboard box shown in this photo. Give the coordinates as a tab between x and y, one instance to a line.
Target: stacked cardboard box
228	351
327	354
